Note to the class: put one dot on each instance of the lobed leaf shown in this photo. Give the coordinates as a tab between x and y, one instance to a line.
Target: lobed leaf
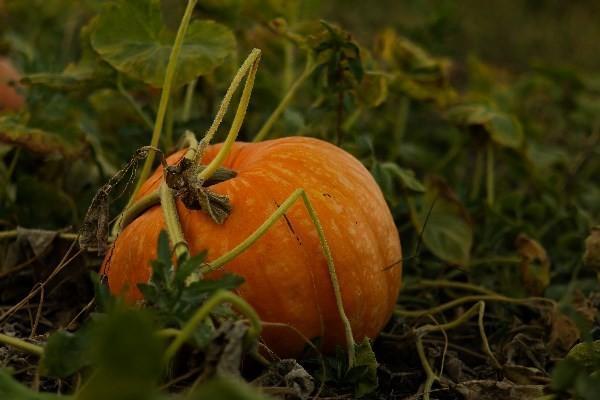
131	36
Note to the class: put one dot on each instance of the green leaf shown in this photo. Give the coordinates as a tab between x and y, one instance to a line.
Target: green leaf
10	389
406	177
90	72
587	387
587	354
564	374
382	177
66	353
365	359
448	233
126	355
504	129
132	37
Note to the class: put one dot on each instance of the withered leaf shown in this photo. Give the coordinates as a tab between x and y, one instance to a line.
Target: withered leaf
535	264
288	373
224	354
591	257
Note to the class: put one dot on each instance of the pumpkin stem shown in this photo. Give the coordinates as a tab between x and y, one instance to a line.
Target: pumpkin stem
221	296
261	230
167	202
248	69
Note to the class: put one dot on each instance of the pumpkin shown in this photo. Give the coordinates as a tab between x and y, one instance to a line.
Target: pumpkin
285	271
9	98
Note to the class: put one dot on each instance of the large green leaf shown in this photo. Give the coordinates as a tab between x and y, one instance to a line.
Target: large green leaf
446	225
131	36
503	128
126	356
66	353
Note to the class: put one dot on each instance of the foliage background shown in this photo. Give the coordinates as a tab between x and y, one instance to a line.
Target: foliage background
520	76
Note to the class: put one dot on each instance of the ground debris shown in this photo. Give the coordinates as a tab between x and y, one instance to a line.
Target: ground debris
494	390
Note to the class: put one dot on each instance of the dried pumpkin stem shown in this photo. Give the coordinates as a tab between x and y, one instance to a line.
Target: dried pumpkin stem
165	94
468	299
420	332
431	376
261	230
12	234
249	67
285	101
441	283
21	345
220	297
167	202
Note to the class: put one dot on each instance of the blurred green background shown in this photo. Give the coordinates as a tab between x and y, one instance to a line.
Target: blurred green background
514	33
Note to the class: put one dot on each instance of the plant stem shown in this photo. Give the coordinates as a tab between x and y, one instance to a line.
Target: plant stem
468	299
281	107
261	230
168	332
235	83
496	260
137	208
288	70
426	283
477	175
14	233
166	93
250	67
169	208
169	120
189	97
334	281
21	344
490	173
257	234
430	375
221	296
479	309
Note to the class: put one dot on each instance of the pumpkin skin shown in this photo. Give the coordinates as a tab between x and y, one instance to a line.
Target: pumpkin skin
10	99
285	272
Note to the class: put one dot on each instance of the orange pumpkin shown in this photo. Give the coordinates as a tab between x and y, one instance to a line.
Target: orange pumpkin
9	98
286	276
